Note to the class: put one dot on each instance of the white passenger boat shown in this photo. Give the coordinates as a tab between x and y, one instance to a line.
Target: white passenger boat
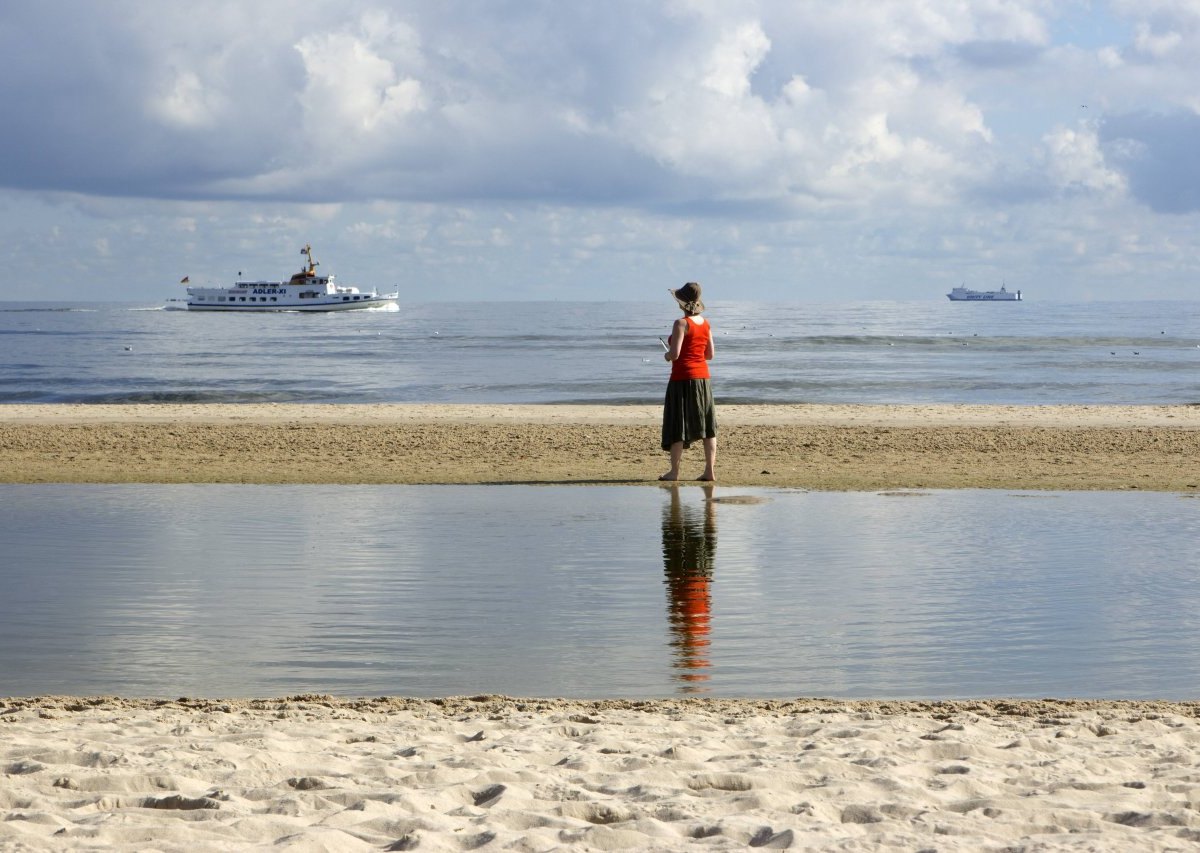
305	291
965	294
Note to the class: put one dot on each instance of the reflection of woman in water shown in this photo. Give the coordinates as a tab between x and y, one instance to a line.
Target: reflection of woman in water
689	540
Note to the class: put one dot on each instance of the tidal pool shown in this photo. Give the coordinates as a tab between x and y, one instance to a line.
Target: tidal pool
226	590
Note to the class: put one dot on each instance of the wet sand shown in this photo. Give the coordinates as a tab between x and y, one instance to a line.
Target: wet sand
812	447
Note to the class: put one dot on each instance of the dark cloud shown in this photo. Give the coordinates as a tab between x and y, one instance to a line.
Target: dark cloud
1158	155
89	89
79	90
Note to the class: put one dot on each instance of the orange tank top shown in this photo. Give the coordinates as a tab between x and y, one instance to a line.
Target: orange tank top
691	363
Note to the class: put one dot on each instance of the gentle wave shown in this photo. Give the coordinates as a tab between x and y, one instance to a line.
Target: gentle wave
11	309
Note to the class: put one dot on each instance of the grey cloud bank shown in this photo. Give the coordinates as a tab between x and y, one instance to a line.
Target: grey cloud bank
1158	155
798	150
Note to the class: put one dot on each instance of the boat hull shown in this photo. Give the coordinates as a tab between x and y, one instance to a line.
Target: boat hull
308	306
963	294
985	297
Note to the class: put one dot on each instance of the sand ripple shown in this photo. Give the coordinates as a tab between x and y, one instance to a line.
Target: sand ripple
489	772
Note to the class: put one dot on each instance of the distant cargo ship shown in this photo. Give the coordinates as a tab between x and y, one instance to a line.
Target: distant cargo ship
964	294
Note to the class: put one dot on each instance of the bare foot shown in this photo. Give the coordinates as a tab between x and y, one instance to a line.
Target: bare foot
707	478
669	477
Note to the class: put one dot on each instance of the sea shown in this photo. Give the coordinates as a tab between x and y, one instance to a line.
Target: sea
1022	353
593	592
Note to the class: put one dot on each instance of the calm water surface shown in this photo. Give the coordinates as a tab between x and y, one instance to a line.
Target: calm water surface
1024	353
217	590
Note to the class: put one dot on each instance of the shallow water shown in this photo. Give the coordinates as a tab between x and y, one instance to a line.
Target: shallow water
219	590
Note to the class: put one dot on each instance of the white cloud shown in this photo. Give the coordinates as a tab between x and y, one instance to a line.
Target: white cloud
734	58
188	104
1074	161
1156	45
700	119
351	90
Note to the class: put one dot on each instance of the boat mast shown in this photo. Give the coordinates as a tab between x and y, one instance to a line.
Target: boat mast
311	269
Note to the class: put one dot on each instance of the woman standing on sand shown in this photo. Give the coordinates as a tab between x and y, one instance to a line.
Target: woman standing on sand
688	411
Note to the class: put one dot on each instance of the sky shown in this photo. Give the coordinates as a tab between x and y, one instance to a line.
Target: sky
773	150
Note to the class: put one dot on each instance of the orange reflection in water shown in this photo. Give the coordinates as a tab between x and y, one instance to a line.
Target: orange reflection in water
689	545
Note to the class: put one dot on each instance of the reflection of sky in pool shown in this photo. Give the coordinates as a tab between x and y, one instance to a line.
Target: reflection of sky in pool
596	591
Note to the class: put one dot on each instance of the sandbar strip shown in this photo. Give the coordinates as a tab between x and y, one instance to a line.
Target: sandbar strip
825	447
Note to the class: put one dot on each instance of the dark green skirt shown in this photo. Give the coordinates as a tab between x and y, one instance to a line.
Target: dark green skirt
688	412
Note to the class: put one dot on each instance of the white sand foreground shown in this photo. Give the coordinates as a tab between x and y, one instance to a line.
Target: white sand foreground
493	773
